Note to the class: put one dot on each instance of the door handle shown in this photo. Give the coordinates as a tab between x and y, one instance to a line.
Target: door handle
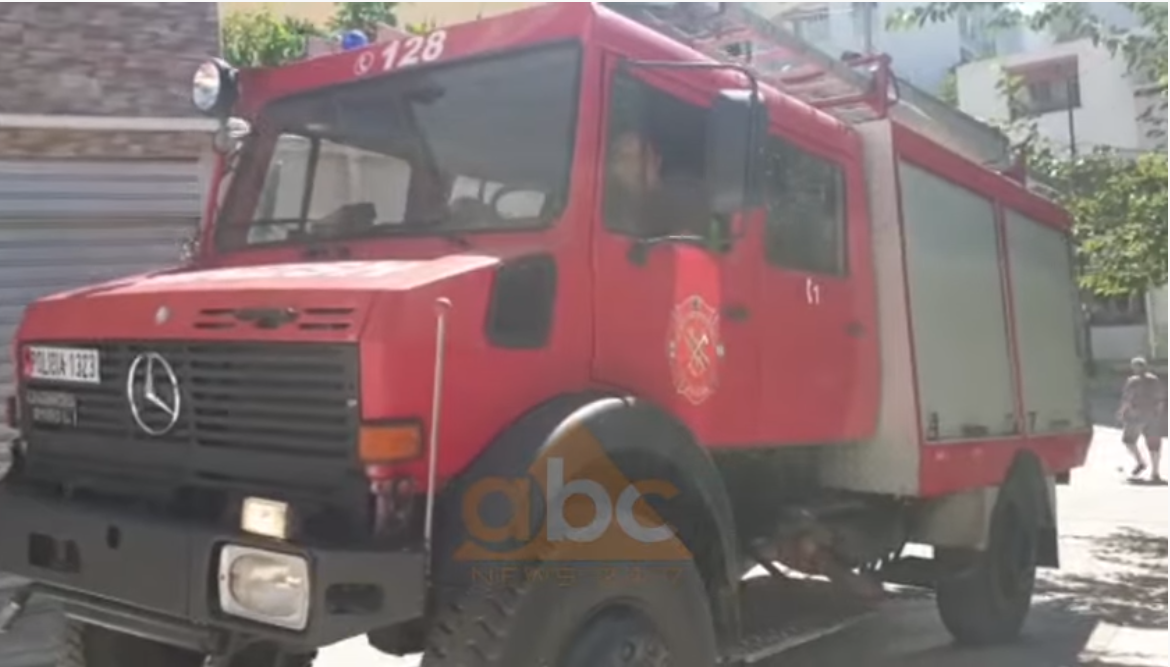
736	312
855	329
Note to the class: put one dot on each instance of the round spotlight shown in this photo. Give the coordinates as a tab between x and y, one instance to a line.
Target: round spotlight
213	88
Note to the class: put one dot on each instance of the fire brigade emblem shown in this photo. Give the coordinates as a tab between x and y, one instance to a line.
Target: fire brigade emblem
695	349
363	64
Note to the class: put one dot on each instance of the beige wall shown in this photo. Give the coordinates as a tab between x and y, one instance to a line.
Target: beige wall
409	13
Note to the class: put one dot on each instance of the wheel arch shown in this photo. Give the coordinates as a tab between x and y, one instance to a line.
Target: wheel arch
963	520
623	426
1027	471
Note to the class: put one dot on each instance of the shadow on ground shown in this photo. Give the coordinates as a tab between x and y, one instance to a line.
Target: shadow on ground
1126	586
1127	589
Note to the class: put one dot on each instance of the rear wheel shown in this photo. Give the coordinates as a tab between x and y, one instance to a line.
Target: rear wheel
988	602
661	620
92	646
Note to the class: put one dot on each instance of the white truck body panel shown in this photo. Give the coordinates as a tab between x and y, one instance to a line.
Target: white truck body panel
889	463
957	310
942	285
1047	314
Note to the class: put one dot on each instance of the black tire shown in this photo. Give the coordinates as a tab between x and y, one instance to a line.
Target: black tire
988	601
91	646
585	623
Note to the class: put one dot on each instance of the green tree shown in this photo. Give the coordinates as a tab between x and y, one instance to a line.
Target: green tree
364	16
1145	50
1117	199
1119	207
1118	203
948	89
262	39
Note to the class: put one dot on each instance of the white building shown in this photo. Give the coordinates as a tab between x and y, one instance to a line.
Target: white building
924	56
1082	97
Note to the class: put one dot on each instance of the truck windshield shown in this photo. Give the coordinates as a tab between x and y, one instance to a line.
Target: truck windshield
475	146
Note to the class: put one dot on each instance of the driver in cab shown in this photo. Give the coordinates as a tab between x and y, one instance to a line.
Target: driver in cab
644	201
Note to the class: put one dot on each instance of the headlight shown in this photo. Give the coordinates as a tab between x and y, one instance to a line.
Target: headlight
213	89
264	586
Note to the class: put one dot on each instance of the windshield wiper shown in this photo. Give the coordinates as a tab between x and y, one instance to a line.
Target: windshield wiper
317	251
426	227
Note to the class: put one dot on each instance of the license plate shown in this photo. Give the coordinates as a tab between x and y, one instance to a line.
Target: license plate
51	407
64	364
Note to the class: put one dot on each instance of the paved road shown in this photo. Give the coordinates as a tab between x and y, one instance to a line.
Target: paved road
1106	608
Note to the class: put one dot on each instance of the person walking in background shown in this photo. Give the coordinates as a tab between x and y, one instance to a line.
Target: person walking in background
1143	415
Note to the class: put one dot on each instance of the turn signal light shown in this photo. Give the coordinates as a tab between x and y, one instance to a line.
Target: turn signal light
389	443
269	518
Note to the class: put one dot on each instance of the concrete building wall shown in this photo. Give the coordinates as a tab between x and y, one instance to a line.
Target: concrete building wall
115	59
924	56
1107	115
1114	344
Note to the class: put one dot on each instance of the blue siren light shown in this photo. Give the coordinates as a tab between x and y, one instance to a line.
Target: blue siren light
354	39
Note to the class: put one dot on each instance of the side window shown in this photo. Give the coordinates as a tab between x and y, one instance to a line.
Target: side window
805	196
654	164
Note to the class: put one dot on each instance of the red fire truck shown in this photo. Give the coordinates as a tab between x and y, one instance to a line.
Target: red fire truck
532	341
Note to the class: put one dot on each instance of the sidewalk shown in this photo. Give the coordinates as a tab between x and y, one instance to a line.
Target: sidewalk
1118	645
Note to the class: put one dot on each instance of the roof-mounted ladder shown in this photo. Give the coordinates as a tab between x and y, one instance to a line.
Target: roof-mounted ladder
855	88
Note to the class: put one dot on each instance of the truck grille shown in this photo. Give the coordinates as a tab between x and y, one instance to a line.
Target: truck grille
276	418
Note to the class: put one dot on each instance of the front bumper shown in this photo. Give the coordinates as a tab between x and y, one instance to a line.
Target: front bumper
157	579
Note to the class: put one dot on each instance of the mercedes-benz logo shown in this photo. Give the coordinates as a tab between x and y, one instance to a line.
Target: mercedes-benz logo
152	389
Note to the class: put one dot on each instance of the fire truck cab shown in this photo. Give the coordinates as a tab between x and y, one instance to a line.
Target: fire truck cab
533	341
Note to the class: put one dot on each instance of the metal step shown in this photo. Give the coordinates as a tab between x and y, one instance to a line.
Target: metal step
781	614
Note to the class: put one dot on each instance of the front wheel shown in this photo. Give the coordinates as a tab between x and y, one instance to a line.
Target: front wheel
988	602
660	620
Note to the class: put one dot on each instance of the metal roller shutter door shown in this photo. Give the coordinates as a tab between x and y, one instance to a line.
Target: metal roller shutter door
64	224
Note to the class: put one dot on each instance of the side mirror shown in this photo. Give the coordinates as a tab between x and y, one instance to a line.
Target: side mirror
736	127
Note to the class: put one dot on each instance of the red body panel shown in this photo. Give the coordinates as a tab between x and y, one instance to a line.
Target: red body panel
786	374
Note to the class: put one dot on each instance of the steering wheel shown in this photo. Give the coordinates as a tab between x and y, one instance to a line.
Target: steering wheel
500	194
470	212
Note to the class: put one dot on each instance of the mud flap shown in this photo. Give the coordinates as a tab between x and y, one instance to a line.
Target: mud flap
1048	548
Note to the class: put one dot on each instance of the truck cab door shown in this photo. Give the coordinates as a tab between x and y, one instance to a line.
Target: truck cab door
819	349
672	316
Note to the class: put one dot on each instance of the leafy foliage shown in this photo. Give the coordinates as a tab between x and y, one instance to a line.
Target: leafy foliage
1144	49
1118	203
1121	221
1118	200
364	16
948	89
262	39
422	28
